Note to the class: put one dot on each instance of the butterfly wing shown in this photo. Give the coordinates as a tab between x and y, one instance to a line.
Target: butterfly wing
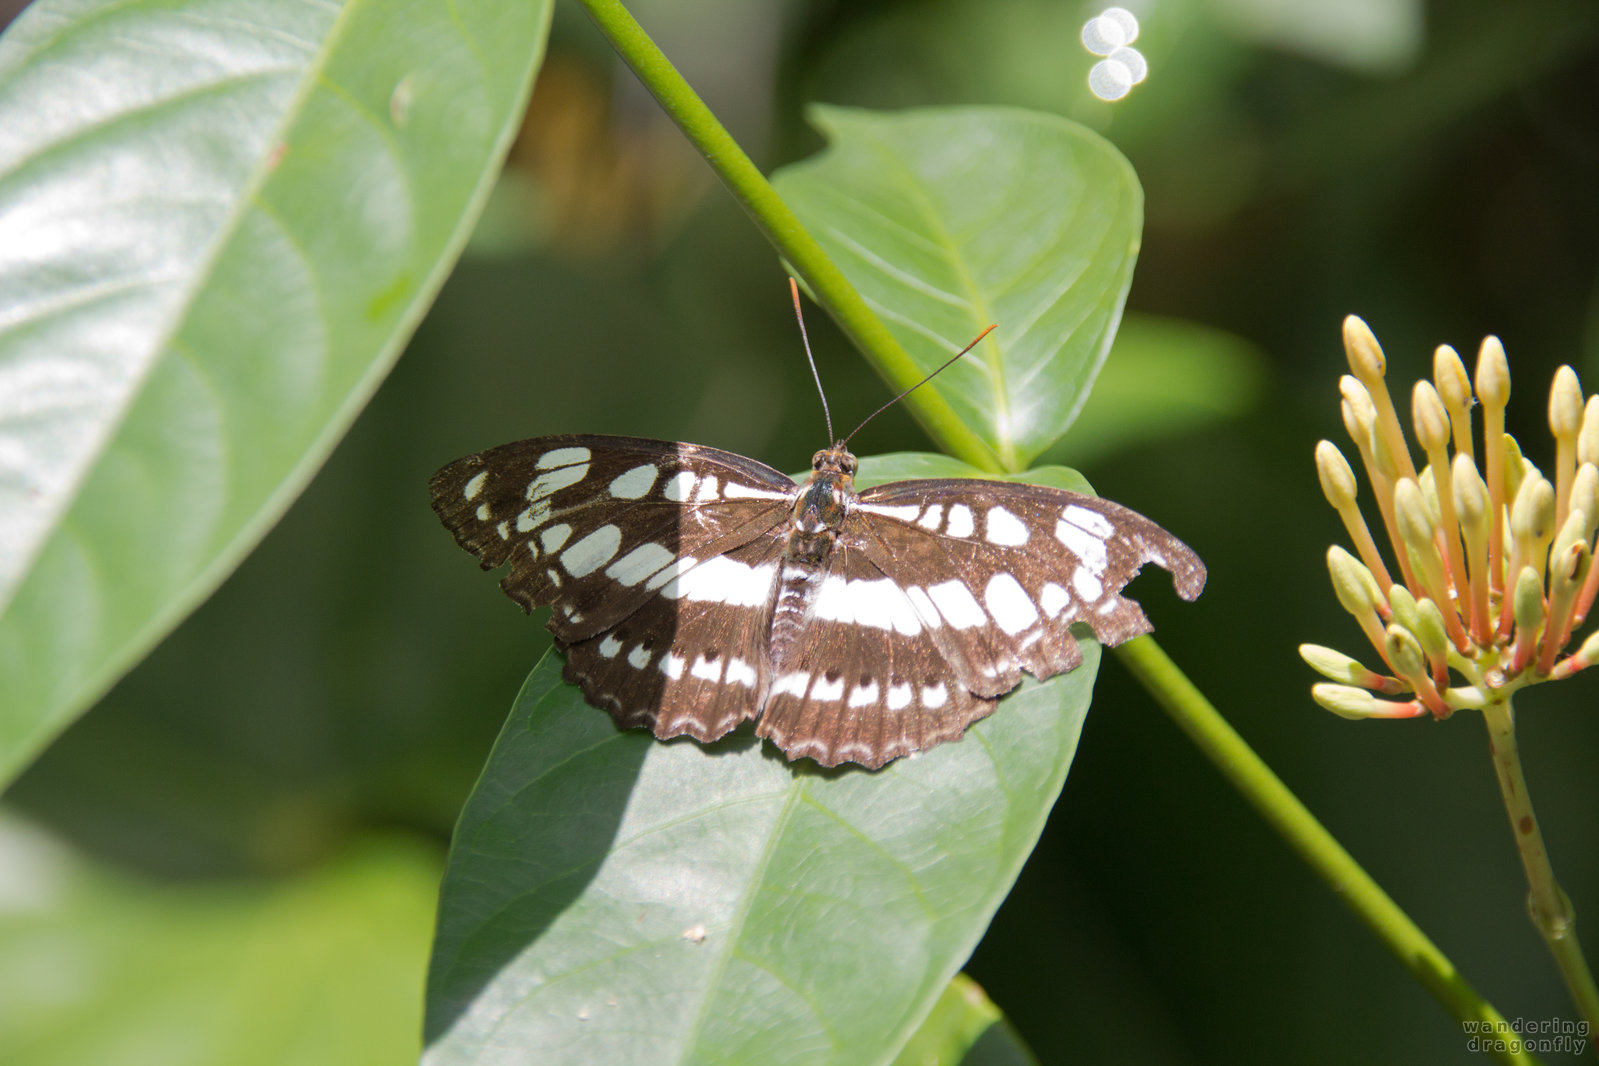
645	548
597	525
1002	569
870	681
940	593
693	659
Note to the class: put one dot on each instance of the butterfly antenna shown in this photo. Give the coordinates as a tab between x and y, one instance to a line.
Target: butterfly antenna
793	288
947	363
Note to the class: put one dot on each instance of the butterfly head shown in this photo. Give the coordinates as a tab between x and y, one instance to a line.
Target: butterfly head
835	460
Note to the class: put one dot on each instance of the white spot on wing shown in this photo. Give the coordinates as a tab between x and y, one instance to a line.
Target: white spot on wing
1087	584
706	669
723	580
679	486
1084	532
483	512
899	696
549	484
638	658
475	484
1005	528
638	564
563	457
933	517
706	491
1093	521
592	552
879	604
957	604
863	695
793	684
934	696
555	536
899	512
669	572
824	689
734	491
610	646
635	483
672	665
960	521
1053	599
740	672
924	607
1009	603
504	530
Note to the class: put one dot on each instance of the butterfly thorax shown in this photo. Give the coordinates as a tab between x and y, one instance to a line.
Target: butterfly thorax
821	506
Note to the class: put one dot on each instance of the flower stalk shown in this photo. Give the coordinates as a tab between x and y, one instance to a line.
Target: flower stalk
1496	574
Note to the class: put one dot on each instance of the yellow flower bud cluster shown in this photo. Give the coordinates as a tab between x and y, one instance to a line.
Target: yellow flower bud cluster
1493	558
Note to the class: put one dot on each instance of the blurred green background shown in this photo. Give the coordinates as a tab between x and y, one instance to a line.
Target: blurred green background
270	794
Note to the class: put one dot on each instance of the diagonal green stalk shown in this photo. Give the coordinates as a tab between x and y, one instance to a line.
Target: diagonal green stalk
1193	713
780	226
1282	810
1547	902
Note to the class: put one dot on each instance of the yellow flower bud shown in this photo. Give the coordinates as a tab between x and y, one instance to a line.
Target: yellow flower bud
1430	418
1365	354
1565	404
1588	435
1349	702
1337	479
1493	373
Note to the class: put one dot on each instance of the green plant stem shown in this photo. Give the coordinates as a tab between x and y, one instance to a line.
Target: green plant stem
774	219
1265	791
1547	902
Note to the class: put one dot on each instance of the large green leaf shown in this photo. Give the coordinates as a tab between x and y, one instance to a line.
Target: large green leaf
610	898
321	969
947	220
219	221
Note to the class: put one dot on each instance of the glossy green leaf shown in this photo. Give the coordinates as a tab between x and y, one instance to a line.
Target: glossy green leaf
948	220
612	898
965	1029
322	968
219	222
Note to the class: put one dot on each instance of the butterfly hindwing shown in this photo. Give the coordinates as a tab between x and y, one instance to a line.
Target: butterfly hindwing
869	682
686	661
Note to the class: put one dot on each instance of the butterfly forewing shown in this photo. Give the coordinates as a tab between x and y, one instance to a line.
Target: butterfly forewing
1010	566
598	525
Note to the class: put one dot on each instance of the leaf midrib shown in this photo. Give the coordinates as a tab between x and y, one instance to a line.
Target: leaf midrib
943	240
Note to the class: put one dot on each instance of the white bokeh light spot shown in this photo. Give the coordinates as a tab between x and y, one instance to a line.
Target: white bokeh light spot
1109	80
1133	60
1111	29
1109	34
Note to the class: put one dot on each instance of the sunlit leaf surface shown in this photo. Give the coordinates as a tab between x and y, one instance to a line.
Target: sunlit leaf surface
947	220
612	898
219	221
